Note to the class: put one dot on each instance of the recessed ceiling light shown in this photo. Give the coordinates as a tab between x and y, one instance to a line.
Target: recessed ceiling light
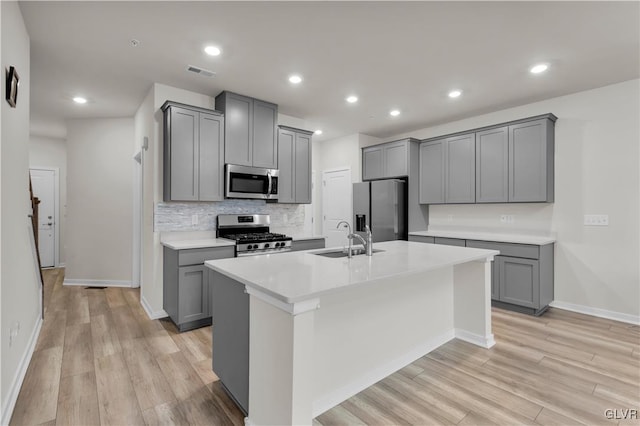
80	100
318	132
455	93
352	99
295	79
537	69
212	50
394	112
134	42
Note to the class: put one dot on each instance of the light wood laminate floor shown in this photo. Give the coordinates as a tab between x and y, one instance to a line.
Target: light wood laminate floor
100	360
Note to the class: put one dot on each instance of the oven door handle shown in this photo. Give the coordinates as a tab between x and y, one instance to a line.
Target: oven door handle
270	183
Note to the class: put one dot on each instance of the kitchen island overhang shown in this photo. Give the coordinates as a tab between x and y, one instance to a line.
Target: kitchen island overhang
322	329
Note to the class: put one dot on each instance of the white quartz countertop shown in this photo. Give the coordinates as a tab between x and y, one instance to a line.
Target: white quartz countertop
198	243
488	236
297	276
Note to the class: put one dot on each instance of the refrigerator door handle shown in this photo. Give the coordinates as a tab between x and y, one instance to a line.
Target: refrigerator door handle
395	215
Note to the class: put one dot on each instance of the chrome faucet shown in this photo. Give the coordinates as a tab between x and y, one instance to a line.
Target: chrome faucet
348	236
367	244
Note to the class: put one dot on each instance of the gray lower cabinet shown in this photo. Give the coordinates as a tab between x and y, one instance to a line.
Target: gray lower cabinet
250	131
521	276
508	163
316	243
186	293
447	170
518	281
193	153
387	160
294	162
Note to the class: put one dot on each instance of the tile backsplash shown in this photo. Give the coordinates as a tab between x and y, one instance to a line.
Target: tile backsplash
170	217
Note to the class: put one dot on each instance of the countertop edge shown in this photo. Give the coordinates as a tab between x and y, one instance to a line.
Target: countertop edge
488	255
481	236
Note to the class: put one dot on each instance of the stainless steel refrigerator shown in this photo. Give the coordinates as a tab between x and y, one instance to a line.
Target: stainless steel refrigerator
381	204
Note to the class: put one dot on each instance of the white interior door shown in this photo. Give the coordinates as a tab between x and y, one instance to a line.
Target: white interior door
43	182
336	205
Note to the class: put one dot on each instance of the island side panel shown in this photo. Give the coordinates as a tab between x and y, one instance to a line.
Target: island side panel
365	334
280	365
472	302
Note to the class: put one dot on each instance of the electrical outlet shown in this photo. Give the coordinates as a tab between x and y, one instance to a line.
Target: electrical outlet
596	220
194	219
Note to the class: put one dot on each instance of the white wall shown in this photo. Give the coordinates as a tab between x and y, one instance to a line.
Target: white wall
99	200
19	282
596	165
52	153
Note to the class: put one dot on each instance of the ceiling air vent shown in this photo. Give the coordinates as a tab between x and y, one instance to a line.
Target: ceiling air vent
200	71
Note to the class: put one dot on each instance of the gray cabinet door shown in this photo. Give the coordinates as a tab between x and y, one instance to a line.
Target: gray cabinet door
303	168
265	138
395	157
211	161
495	280
183	160
286	177
372	164
238	111
460	168
528	160
432	168
492	166
193	293
519	281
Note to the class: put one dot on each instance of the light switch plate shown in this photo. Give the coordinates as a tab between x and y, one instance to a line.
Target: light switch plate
596	220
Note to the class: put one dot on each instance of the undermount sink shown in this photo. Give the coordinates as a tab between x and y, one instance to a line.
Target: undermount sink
343	253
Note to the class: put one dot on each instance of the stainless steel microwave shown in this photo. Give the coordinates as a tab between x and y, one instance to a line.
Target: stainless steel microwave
251	182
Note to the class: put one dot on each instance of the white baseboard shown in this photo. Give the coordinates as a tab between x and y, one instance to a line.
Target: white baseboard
339	395
152	315
61	265
597	312
10	402
476	339
97	283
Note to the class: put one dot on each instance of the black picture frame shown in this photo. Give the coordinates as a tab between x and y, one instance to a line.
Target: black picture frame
13	81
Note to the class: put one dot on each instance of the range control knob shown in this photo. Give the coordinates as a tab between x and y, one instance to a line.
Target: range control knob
266	245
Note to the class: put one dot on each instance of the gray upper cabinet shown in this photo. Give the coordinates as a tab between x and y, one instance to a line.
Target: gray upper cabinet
460	182
193	153
294	161
492	166
531	157
387	160
432	169
250	131
265	137
372	167
508	163
447	170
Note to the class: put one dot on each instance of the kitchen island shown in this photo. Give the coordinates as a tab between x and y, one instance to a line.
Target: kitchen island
320	329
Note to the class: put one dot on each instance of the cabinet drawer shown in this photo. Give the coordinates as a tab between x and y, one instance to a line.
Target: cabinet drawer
508	249
421	239
300	245
199	256
450	241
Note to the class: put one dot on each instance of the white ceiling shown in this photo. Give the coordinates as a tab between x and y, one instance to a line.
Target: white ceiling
404	55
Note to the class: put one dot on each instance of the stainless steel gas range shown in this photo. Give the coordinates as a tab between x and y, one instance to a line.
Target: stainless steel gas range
251	234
